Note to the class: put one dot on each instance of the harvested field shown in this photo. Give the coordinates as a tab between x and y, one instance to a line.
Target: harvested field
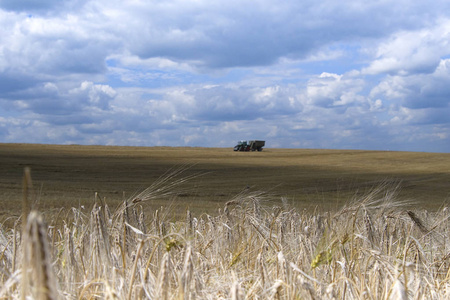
69	176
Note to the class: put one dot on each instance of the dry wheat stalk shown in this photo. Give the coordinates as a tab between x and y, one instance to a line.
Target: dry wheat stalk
247	251
163	278
186	274
37	274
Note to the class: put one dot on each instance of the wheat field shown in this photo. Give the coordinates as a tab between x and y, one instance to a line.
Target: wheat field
374	247
214	224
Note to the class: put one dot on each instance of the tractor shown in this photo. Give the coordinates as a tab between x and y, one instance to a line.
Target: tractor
249	146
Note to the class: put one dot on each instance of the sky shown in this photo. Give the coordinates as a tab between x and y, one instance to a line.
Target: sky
328	74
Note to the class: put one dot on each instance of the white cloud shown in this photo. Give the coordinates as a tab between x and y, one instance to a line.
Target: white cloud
299	73
418	90
410	52
95	95
329	89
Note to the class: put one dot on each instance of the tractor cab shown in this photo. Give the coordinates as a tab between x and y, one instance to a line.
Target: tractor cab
241	146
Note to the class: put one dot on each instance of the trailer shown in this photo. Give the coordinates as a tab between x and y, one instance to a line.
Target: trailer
254	145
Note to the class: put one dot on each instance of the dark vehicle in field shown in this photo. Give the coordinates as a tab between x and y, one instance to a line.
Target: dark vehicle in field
249	145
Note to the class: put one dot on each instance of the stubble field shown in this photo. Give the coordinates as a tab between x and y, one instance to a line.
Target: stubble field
69	176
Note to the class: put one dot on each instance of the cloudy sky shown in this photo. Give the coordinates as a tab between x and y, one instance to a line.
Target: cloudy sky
298	74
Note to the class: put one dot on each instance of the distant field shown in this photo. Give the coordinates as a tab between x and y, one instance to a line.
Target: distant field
67	176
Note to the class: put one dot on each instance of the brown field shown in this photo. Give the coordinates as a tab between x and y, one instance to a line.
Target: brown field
69	176
361	231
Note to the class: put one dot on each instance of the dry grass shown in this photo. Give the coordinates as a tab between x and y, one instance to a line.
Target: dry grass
375	247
